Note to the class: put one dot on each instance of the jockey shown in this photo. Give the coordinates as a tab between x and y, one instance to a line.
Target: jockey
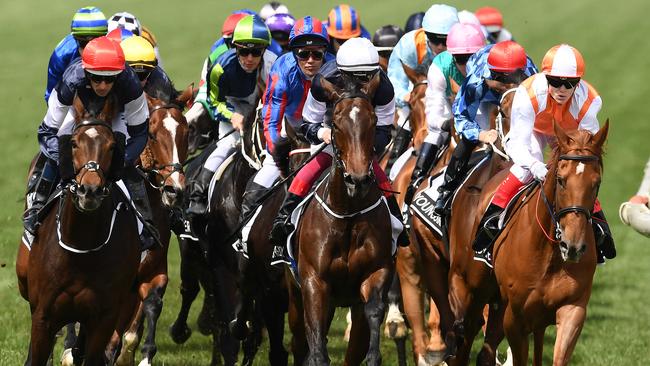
271	9
492	20
357	61
414	22
100	72
280	26
557	93
140	55
462	42
505	62
88	23
343	23
286	91
119	34
385	39
416	50
233	90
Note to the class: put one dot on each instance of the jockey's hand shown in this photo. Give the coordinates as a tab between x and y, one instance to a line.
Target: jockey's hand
407	97
639	199
237	121
489	136
538	170
325	134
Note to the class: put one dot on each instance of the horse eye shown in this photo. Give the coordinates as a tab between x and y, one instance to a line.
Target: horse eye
561	181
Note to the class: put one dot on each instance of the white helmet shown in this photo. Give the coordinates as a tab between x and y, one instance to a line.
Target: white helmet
357	54
272	8
124	20
467	17
439	19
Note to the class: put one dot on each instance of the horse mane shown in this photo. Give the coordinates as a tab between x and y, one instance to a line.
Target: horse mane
102	109
579	140
162	89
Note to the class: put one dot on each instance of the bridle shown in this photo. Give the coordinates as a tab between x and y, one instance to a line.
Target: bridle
91	166
162	170
338	161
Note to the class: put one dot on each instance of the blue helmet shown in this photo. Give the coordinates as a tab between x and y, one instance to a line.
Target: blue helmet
308	31
439	19
414	22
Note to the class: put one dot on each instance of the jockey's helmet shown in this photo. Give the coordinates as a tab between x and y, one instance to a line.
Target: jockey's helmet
563	61
490	18
119	34
251	32
467	17
103	56
414	22
308	31
358	58
124	20
88	21
272	8
280	23
139	54
507	56
439	19
465	39
230	23
386	37
343	22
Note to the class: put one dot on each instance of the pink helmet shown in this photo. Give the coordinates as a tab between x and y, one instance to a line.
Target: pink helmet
464	39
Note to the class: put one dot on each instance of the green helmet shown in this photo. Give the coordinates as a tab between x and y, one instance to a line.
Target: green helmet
251	31
89	22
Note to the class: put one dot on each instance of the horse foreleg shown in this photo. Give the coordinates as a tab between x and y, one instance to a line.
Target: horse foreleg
299	346
493	335
179	330
570	319
153	304
97	333
42	339
517	337
359	336
273	308
538	346
131	316
251	344
315	297
395	325
373	293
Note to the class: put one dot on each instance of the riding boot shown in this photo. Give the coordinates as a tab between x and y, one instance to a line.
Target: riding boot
487	231
400	144
282	227
198	205
250	202
393	207
604	240
454	174
44	186
423	165
135	184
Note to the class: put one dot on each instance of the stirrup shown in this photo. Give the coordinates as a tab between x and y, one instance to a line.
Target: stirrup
484	256
279	256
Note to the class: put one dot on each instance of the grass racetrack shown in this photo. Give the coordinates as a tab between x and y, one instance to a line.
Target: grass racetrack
612	36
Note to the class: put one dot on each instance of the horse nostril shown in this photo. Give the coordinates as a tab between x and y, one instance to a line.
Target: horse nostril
583	248
81	189
564	245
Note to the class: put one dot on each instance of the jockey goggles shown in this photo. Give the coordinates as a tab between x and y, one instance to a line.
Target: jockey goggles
246	51
108	79
557	82
461	59
436	39
83	41
514	77
304	55
361	76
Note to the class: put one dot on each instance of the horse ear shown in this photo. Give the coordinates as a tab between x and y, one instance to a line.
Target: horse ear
410	73
186	95
331	91
149	101
600	136
562	137
371	87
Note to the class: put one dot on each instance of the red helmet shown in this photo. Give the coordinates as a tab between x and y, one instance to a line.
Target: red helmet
507	56
490	18
229	24
103	56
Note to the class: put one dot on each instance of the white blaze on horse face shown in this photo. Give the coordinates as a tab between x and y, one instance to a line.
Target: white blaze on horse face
92	132
580	168
171	124
353	113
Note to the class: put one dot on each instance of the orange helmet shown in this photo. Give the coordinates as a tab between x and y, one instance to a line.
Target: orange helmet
490	18
563	61
343	22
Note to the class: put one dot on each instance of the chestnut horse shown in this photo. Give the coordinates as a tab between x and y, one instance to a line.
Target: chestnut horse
162	161
84	259
545	258
343	241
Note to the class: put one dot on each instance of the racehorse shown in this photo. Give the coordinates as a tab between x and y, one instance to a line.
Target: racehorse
162	162
343	240
83	261
545	258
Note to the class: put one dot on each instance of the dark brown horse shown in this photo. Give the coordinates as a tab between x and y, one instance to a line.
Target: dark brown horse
84	258
162	161
343	241
545	257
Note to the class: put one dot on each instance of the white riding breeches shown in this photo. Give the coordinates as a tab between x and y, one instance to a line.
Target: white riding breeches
225	147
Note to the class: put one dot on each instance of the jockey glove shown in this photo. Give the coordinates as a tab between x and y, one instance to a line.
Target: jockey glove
538	170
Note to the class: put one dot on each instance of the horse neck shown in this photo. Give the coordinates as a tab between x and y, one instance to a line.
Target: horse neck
84	230
338	198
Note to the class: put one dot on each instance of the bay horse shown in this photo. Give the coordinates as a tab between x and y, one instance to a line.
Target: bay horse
83	261
343	240
162	162
545	258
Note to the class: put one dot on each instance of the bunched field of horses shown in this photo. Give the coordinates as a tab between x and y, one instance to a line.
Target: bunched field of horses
612	38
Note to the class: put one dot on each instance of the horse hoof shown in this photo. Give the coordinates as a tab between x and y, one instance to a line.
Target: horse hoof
395	326
239	330
432	358
180	333
127	354
66	358
145	362
204	322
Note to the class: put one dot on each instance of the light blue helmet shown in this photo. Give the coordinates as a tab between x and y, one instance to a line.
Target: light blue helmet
439	19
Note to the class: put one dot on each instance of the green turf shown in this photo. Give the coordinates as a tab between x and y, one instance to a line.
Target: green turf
611	35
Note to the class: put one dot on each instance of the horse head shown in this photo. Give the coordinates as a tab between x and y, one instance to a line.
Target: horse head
353	132
417	120
576	171
166	149
201	128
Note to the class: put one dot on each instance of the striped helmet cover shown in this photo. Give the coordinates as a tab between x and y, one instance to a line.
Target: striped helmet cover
89	21
344	22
